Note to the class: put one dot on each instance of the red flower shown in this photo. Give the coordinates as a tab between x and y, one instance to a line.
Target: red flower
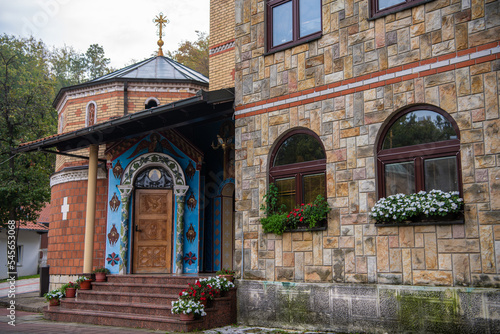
301	218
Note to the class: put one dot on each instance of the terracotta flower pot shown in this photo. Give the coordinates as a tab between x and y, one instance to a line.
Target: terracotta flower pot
54	302
100	277
70	293
186	317
85	285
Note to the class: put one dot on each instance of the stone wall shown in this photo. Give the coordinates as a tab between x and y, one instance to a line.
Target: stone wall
345	87
349	308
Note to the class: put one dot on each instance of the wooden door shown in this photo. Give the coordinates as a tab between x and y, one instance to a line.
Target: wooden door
153	231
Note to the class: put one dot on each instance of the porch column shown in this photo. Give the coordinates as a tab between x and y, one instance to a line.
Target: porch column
125	191
88	253
180	197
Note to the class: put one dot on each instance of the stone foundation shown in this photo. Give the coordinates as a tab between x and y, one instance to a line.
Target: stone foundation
368	308
56	281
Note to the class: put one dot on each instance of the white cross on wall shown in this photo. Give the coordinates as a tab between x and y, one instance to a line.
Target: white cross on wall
65	208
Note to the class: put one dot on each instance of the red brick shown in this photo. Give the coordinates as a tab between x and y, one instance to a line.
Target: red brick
412	65
466	52
485	59
465	64
487	46
428	61
429	72
448	56
446	68
394	69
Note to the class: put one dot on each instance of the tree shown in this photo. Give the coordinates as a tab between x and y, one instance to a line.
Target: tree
96	62
26	114
193	54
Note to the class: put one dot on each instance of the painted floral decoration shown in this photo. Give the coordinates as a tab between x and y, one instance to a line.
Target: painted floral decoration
118	170
190	258
114	204
113	236
190	170
191	234
191	202
113	259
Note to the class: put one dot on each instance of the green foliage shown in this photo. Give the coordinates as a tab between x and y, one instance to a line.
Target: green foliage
274	223
54	294
225	271
26	114
193	54
271	200
101	270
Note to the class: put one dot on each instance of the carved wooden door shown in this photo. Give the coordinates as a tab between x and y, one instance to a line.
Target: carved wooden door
153	231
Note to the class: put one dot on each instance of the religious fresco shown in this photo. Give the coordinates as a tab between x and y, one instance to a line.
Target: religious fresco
120	220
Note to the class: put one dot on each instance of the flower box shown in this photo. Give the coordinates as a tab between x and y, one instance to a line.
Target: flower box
422	219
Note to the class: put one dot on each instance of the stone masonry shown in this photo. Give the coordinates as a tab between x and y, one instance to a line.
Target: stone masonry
345	86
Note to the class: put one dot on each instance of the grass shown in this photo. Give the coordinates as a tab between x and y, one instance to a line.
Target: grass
22	277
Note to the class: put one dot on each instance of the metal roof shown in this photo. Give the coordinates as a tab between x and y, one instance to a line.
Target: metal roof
202	108
158	67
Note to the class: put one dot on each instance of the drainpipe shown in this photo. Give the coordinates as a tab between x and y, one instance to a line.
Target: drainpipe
125	98
88	253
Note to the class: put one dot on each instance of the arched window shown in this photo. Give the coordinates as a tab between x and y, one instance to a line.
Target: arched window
298	165
151	103
91	114
419	149
153	177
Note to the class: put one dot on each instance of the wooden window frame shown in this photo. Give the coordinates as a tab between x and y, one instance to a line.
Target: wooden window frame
376	13
270	4
417	153
299	169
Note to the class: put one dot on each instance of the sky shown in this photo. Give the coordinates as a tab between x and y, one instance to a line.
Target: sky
124	28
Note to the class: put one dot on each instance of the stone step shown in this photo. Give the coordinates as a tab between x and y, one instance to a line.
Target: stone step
117	319
168	288
127	297
154	279
107	306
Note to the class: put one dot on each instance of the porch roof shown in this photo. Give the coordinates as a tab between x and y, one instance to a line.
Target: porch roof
204	107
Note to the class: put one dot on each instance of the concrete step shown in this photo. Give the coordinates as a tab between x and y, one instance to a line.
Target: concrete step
107	306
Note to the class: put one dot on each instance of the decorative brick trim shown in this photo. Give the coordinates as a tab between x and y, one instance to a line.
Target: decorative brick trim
221	48
421	68
74	175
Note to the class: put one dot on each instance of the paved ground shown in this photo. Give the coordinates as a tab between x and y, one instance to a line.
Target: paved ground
29	319
22	286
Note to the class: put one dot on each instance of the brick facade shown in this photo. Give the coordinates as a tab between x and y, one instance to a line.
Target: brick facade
221	48
345	87
66	236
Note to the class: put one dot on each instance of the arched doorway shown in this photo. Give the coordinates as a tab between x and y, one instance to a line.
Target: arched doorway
152	225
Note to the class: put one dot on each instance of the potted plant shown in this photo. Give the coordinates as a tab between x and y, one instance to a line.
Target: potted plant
54	297
84	282
303	217
187	308
69	289
226	273
434	206
200	291
100	274
220	283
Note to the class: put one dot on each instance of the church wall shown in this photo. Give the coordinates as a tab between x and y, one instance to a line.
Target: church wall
114	254
221	48
66	236
344	87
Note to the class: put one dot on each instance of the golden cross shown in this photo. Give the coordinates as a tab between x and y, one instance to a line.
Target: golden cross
160	21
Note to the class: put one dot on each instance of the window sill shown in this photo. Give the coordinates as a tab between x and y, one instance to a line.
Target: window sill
422	220
292	44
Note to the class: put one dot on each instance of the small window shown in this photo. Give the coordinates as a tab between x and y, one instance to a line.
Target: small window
419	150
381	8
91	114
151	103
291	22
298	167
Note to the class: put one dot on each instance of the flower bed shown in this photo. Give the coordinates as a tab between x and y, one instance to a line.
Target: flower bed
431	207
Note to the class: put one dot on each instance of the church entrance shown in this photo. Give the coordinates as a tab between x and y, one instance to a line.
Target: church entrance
153	231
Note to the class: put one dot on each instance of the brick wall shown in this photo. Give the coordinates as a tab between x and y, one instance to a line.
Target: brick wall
66	237
221	60
344	86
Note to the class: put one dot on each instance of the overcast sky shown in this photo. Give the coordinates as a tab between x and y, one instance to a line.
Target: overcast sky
124	28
